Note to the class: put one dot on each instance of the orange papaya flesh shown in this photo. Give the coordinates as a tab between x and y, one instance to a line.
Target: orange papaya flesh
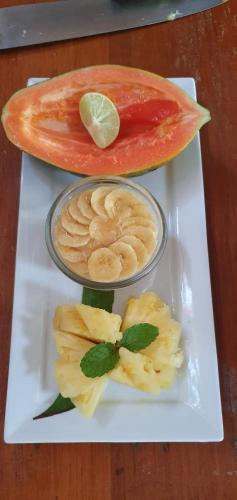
158	120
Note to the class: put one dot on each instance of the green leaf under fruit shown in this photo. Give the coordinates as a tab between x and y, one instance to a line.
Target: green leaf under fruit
93	298
60	405
139	337
98	298
99	360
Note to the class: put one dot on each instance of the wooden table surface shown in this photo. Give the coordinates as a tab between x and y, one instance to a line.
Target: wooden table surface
203	46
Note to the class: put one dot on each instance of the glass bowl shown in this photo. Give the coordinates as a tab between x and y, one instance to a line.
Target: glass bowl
118	182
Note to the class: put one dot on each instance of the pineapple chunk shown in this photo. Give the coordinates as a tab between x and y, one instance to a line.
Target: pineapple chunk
164	352
101	325
88	322
148	308
71	347
70	379
177	358
166	344
166	375
68	319
136	370
88	401
85	392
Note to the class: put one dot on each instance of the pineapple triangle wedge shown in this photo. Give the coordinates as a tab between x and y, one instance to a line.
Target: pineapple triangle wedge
88	322
88	401
84	392
136	370
164	351
102	325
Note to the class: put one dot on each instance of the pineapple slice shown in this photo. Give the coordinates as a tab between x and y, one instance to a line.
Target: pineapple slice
136	370
166	344
88	401
88	322
164	351
68	319
177	358
148	308
102	326
70	379
166	375
167	372
85	392
71	347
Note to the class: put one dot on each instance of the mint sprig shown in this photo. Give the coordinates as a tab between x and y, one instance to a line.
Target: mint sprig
99	360
103	357
139	336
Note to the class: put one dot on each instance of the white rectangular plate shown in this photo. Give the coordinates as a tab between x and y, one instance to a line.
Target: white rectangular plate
191	411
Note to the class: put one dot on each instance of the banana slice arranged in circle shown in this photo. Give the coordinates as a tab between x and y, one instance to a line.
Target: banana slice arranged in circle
69	240
70	254
75	212
137	221
103	229
84	204
104	265
139	210
120	203
138	247
98	200
72	226
106	234
128	258
145	234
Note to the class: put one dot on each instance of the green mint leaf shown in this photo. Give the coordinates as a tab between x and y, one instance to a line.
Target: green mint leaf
99	360
98	298
60	405
138	337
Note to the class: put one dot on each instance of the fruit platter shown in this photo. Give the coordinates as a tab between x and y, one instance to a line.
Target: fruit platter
112	336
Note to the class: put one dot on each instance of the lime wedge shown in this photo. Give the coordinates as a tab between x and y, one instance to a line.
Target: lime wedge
100	117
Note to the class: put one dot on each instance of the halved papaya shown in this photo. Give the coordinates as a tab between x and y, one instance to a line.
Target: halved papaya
158	120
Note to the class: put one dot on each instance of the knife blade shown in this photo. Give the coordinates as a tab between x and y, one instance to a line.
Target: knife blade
39	23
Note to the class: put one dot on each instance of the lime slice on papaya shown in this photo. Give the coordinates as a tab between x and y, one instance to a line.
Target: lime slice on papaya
100	117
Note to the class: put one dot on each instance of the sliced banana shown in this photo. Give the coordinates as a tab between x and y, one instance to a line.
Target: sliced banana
104	230
128	258
89	247
137	221
138	247
85	250
75	212
98	199
104	265
70	254
120	203
72	226
140	210
69	240
84	204
145	234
